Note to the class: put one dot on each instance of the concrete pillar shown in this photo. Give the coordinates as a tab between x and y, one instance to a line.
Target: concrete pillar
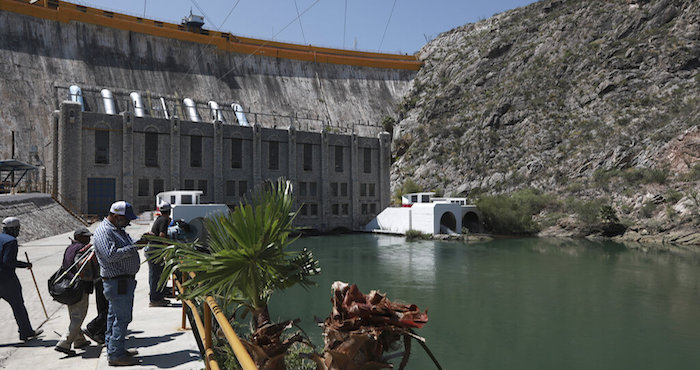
55	117
384	170
354	185
175	157
126	191
257	156
292	159
69	155
218	153
324	184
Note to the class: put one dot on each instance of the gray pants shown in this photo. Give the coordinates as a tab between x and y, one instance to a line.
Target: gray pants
77	313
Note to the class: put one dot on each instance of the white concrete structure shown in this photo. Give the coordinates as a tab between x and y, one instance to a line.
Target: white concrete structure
186	205
422	212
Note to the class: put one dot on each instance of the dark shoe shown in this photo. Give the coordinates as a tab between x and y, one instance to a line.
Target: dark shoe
66	351
82	344
132	352
161	303
32	336
95	338
124	361
169	294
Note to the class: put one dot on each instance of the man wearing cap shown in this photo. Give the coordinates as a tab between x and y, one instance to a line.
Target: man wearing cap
10	288
119	261
155	268
88	269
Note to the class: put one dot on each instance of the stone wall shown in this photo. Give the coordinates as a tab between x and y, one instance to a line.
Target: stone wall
39	215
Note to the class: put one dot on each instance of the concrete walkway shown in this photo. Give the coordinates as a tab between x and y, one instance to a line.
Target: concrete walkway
154	330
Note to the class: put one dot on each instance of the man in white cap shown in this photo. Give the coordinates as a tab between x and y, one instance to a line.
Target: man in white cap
155	268
10	288
118	256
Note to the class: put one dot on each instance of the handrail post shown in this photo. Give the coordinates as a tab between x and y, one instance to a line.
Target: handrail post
207	329
184	306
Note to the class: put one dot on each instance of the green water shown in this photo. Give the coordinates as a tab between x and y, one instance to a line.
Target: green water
522	303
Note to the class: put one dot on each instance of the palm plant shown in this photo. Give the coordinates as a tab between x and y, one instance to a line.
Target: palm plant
247	262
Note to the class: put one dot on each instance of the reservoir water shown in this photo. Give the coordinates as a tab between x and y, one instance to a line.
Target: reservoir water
520	303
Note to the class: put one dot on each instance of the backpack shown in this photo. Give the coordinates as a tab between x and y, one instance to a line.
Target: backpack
63	290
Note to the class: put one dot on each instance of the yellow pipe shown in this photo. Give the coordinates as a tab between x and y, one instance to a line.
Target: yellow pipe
238	349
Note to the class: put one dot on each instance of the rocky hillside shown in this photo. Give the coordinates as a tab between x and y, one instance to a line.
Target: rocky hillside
594	99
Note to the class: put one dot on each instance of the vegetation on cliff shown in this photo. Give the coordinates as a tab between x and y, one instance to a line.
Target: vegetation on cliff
586	101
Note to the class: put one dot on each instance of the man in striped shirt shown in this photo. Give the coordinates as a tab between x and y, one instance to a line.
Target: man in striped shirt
119	261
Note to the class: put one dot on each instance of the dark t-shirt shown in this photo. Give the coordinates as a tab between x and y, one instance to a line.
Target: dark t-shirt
160	225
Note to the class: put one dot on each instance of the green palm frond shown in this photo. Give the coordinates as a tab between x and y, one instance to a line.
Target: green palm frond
247	260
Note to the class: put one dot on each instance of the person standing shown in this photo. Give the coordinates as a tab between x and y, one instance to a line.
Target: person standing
87	269
119	261
95	329
155	268
10	288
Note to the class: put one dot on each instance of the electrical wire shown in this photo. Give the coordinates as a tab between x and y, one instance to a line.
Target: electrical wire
387	25
345	21
266	42
299	17
144	8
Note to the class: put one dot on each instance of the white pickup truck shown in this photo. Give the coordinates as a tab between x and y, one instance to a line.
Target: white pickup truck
185	205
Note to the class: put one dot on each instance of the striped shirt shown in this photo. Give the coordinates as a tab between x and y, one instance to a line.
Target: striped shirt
115	251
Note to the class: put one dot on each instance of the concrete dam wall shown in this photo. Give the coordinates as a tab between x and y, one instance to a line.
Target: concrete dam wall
40	58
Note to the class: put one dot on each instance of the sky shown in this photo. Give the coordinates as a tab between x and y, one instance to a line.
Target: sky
392	26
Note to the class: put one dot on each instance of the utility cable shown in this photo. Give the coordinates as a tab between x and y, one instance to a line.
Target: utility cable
144	8
266	42
299	17
345	21
387	25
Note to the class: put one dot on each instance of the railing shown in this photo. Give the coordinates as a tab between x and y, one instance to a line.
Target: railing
204	328
302	121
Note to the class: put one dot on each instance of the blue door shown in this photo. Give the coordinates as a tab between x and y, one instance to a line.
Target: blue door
101	193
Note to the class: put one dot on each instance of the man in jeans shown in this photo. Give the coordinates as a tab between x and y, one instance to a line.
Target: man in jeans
155	268
119	261
10	288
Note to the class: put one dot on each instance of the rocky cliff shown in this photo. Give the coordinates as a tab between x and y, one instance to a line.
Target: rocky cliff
592	99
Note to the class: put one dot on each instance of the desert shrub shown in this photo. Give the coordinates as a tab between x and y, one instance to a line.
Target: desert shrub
587	211
388	124
647	209
413	235
693	174
635	176
512	214
673	196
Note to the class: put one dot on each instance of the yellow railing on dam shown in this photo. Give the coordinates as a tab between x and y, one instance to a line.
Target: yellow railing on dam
204	328
66	12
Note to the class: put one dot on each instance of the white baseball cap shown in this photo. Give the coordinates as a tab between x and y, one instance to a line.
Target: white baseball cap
10	222
123	208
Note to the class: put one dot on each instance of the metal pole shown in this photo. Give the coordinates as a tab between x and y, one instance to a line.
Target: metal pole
184	306
207	330
37	287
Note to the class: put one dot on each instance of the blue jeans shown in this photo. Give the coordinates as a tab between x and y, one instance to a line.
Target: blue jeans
154	271
121	304
11	291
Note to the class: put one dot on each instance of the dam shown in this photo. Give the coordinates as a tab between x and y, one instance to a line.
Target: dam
326	100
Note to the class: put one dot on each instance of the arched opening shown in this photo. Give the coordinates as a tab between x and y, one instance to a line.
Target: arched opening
470	221
448	223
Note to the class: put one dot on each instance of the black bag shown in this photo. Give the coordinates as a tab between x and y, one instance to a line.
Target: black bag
62	290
